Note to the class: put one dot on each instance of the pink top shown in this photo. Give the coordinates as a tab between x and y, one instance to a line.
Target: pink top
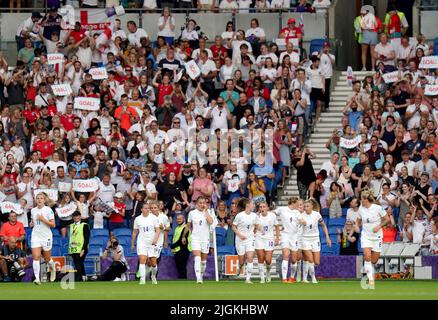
202	184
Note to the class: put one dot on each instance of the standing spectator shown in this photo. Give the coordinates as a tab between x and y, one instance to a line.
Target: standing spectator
327	62
366	28
348	239
395	23
306	177
78	246
384	52
166	25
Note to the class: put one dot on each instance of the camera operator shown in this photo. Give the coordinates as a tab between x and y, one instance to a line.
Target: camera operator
119	264
12	261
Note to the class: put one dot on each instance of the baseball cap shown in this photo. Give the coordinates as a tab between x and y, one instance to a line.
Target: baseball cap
326	44
291	20
118	195
36	14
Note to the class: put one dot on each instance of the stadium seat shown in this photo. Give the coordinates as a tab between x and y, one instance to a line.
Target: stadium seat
340	222
94	250
225	250
96	241
56	251
125	242
122	232
316	45
90	267
344	212
333	229
325	212
56	233
99	232
330	251
64	249
57	241
435	46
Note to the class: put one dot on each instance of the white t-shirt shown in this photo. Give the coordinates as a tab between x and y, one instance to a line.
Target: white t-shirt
310	230
315	77
352	215
200	227
84	56
98	219
228	5
414	121
206	67
326	65
167	31
261	58
409	164
245	223
40	229
294	57
134	38
270	74
405	52
288	218
219	118
53	166
196	52
267	225
371	218
418	230
244	4
258	32
164	220
146	227
386	51
106	192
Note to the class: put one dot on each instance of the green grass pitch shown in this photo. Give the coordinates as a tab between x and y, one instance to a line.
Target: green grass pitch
210	290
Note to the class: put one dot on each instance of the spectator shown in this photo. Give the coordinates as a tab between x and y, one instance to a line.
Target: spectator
348	238
306	177
366	28
12	229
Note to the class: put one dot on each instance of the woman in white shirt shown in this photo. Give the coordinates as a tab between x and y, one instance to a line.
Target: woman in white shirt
268	73
228	35
227	70
314	73
240	39
373	218
311	244
166	26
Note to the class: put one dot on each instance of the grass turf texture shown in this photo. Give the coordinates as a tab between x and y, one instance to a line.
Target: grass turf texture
210	290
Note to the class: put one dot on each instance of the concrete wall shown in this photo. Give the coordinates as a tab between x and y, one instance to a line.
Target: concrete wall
429	24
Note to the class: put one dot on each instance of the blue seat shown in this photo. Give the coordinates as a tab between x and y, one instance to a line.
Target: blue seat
344	212
333	229
122	232
226	250
90	267
435	46
330	251
56	251
94	250
325	212
28	231
56	233
333	238
337	222
125	242
64	249
96	241
316	45
99	232
57	241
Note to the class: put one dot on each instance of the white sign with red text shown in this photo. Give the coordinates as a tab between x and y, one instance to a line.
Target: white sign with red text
66	211
142	147
431	90
429	62
98	73
192	69
64	187
51	193
391	77
87	185
62	90
55	58
8	206
350	143
86	103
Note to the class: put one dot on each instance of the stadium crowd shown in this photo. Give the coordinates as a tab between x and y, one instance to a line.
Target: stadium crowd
149	108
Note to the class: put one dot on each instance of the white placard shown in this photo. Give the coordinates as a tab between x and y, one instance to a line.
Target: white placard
429	62
178	76
86	103
55	58
66	211
8	206
88	185
192	69
350	143
51	193
62	90
391	77
64	187
142	147
431	90
233	185
98	73
2	196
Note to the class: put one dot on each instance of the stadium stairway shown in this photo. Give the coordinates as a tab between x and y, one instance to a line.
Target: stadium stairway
330	119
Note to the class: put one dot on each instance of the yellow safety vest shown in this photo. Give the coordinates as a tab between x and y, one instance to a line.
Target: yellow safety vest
76	238
176	235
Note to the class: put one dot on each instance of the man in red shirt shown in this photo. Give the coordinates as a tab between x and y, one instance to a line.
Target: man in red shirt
12	228
68	117
30	112
77	33
116	218
125	113
44	146
291	31
218	50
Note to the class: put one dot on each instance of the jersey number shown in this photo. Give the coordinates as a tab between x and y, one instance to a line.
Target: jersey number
266	228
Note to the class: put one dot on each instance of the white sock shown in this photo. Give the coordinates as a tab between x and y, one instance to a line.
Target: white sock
368	269
148	270
36	269
198	268
262	271
305	270
142	269
268	268
154	271
294	269
284	269
311	269
249	267
51	264
299	263
203	267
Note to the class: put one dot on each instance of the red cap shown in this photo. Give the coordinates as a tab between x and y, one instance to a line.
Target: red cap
291	20
326	44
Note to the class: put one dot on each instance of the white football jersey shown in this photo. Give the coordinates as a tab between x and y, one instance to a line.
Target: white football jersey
146	227
200	226
245	223
40	229
288	218
164	220
267	225
371	217
310	230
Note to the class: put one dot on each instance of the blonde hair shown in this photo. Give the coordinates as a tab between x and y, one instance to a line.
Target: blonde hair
368	195
315	205
47	201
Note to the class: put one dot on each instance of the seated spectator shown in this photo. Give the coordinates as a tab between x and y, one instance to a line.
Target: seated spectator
13	228
348	240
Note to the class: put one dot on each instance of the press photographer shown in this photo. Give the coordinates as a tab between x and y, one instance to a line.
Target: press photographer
12	261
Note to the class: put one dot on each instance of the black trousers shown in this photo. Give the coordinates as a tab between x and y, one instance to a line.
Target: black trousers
327	92
79	264
181	258
114	271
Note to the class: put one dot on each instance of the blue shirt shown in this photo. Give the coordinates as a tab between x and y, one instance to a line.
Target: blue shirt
234	95
78	166
418	145
353	119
